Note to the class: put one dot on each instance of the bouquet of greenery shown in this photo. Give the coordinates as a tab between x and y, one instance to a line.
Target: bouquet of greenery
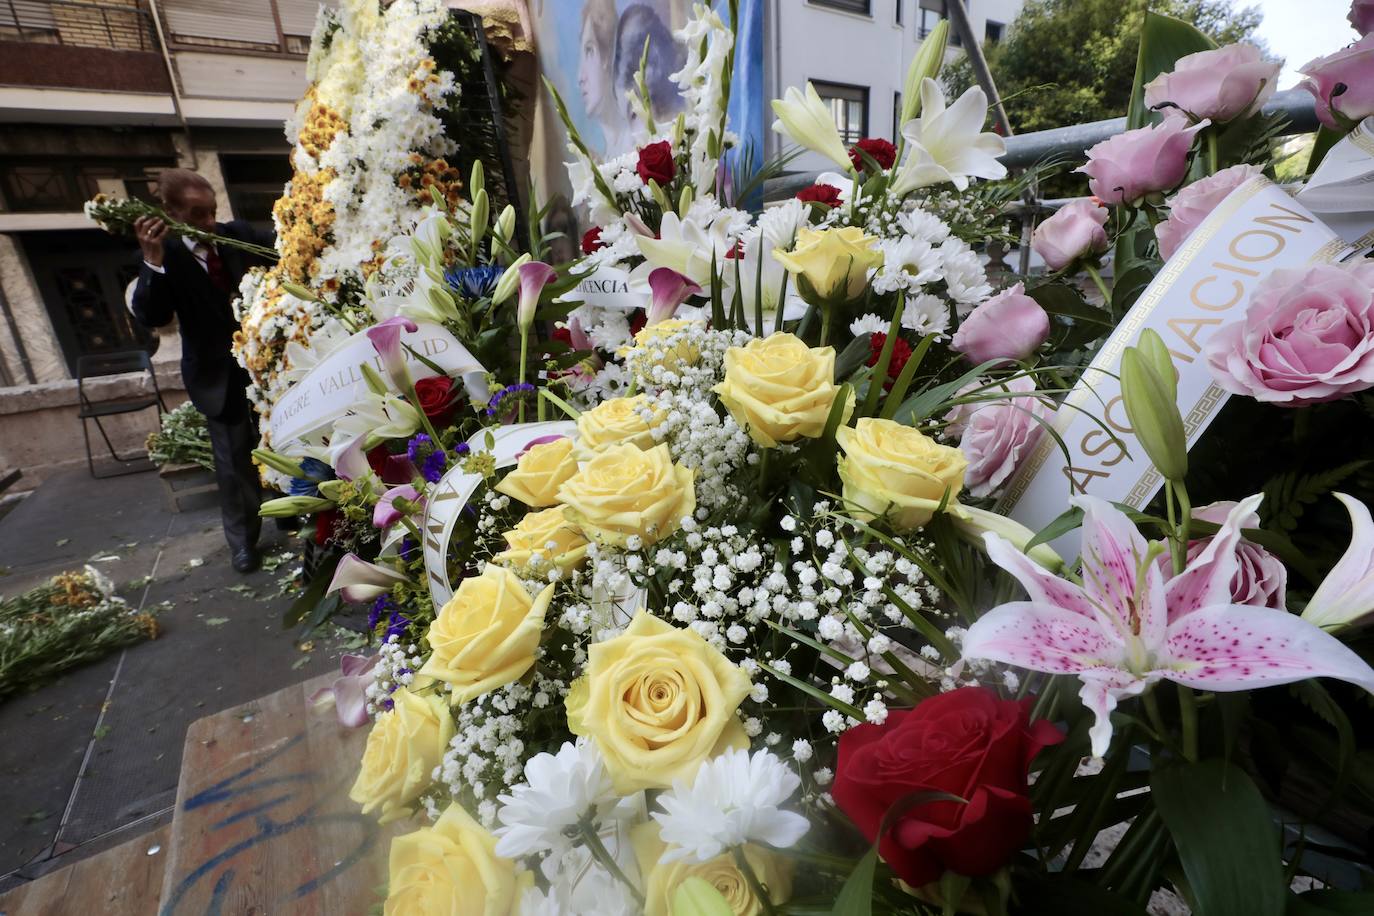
182	439
117	216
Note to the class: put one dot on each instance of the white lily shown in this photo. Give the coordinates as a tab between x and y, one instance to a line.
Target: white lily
1346	596
949	144
685	246
807	119
375	417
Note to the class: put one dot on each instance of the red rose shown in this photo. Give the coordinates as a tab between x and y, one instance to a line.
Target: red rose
967	743
324	526
436	398
591	240
656	163
901	352
826	194
883	153
377	458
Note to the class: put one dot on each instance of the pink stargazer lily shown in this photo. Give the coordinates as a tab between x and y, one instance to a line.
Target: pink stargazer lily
358	580
386	339
386	513
534	276
668	290
1127	627
1346	596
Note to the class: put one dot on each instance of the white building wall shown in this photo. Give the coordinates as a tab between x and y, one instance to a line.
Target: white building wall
807	40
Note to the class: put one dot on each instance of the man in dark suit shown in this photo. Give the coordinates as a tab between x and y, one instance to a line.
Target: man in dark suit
196	282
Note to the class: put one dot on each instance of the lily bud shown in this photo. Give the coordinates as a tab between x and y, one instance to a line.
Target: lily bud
280	463
438	198
659	197
481	213
374	380
925	65
505	224
684	201
510	280
332	489
972	526
300	292
1151	346
289	506
477	183
1154	415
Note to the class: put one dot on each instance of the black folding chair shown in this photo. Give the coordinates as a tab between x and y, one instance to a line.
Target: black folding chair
88	367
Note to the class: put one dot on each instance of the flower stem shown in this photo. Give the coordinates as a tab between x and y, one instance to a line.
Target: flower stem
1187	709
607	861
414	397
764	455
825	325
1101	287
1212	156
524	352
1151	703
755	885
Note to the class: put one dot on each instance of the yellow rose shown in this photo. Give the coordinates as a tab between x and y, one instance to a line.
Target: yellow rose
452	867
888	466
541	539
403	748
779	389
614	422
650	347
661	879
486	635
658	701
835	262
624	491
540	472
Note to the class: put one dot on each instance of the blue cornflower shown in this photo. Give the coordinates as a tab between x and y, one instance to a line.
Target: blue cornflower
474	282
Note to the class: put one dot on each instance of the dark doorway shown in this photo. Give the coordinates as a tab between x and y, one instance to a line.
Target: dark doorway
82	275
254	183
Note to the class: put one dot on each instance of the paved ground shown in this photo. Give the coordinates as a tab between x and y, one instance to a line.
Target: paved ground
100	749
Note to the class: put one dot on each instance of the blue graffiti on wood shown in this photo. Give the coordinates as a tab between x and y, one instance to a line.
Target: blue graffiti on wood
247	785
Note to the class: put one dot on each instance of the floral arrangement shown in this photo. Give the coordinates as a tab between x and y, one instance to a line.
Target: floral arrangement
117	215
182	438
736	627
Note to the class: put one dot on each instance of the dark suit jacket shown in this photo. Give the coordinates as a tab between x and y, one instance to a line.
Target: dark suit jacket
214	380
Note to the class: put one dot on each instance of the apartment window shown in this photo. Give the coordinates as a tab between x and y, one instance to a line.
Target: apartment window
849	106
929	13
862	7
899	4
994	31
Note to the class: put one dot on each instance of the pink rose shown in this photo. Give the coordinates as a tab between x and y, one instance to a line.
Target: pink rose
1343	83
1307	337
1010	325
1073	231
1125	168
1362	16
1221	84
1262	580
1189	207
994	435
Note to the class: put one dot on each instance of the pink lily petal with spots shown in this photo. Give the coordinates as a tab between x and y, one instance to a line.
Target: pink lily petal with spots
1100	693
1207	579
1043	637
1113	554
1041	585
1235	647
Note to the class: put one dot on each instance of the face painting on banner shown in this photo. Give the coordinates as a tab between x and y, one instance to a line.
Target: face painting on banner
1257	229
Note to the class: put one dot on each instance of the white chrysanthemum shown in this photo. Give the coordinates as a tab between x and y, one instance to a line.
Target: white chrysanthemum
733	800
908	263
926	314
922	224
868	324
559	791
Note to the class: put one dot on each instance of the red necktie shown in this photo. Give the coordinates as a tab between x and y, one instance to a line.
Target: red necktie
214	266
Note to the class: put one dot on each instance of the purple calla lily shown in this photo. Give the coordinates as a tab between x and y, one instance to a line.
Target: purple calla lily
386	513
349	690
1127	627
357	580
534	276
386	338
668	289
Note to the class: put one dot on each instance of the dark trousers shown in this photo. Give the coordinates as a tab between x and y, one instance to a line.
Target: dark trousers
239	492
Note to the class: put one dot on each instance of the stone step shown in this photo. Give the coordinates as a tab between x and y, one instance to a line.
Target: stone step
263	823
126	880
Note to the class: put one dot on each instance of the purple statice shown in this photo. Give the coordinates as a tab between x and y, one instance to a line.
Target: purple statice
396	624
379	607
434	466
408	547
388	704
419	443
513	391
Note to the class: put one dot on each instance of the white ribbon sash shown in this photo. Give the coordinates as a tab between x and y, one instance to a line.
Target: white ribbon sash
312	405
607	288
446	499
1206	284
1342	188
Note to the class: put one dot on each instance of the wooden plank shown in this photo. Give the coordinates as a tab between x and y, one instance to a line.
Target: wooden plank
263	823
126	880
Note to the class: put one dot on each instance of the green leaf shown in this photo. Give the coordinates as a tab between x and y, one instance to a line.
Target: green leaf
1331	903
1059	895
856	897
1068	521
1287	496
1225	836
852	357
312	594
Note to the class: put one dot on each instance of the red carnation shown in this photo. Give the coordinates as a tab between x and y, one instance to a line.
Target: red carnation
656	163
826	194
437	398
883	153
901	352
591	240
968	743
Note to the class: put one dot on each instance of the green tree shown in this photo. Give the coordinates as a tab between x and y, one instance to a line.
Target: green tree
1072	61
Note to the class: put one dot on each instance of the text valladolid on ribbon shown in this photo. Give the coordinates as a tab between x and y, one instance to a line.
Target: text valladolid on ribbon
1257	229
312	405
447	498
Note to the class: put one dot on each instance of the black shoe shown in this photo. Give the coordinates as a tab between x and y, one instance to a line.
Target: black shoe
245	559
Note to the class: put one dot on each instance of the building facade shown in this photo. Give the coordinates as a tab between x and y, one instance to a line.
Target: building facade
856	54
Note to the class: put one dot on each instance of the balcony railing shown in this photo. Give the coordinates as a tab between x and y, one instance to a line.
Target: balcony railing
112	25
